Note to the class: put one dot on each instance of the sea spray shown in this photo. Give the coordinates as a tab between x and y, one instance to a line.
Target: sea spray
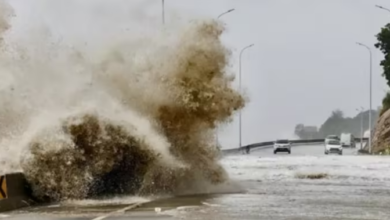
126	120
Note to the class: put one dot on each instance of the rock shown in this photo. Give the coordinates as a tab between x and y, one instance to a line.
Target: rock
381	137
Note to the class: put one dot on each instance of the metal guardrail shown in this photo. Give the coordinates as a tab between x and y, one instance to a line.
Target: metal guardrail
270	143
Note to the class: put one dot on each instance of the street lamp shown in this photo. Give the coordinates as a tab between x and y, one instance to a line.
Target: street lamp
370	112
361	110
239	88
163	11
383	8
216	132
226	12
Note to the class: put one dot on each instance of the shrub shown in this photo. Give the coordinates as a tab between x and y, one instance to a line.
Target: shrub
385	103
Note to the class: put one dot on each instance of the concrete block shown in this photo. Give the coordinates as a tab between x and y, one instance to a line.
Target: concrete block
15	192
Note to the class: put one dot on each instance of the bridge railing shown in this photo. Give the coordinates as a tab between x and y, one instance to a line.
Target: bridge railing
270	143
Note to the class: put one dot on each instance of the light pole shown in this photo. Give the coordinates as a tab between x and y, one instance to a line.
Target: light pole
383	8
216	132
163	11
370	112
361	110
239	88
230	10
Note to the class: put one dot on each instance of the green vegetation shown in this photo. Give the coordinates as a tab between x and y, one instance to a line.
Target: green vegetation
385	103
337	124
306	132
384	45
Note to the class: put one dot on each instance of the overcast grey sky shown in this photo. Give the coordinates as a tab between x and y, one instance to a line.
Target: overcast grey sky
305	62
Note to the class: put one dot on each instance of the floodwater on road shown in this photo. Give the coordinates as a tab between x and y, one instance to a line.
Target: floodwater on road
276	187
352	187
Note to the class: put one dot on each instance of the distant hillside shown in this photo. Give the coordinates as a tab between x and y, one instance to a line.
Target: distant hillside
337	124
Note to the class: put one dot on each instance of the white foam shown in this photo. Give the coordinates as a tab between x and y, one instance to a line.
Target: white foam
347	168
112	201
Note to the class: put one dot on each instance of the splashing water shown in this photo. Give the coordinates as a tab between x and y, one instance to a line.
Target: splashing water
129	120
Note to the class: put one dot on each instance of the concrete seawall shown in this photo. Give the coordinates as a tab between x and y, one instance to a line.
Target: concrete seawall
14	192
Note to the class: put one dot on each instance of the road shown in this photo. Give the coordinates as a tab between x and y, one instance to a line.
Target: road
302	150
264	186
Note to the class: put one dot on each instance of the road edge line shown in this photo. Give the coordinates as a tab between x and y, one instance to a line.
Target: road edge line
130	207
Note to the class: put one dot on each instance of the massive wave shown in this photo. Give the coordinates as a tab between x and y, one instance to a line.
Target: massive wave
127	117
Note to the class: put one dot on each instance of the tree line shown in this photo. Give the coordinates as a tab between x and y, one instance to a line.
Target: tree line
336	124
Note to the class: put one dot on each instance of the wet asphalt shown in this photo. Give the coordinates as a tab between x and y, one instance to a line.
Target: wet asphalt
271	186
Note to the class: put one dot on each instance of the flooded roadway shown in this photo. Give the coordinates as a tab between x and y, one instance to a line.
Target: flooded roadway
275	187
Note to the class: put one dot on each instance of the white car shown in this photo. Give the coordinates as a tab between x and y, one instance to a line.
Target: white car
333	146
331	137
282	146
